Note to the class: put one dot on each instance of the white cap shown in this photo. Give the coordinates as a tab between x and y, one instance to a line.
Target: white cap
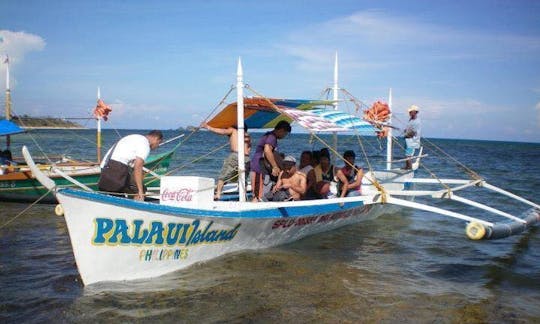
413	108
289	158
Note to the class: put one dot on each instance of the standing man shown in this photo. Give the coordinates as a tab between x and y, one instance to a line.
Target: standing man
229	171
265	163
412	135
123	164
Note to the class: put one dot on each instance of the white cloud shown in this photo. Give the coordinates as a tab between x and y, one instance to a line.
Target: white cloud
385	40
414	56
464	118
17	45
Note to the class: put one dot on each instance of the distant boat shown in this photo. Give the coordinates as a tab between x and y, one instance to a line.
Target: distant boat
116	238
17	183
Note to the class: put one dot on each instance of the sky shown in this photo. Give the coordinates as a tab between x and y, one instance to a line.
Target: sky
473	67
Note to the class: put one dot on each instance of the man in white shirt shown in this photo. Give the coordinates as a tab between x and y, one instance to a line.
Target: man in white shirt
129	152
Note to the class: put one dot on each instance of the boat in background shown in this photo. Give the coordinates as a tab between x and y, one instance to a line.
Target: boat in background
117	239
17	183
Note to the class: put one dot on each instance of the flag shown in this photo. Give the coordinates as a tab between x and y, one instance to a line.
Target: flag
6	61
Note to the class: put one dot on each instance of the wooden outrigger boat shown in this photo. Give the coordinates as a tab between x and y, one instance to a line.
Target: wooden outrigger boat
17	182
121	239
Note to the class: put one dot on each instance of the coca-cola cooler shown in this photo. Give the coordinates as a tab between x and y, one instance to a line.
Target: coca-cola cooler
186	190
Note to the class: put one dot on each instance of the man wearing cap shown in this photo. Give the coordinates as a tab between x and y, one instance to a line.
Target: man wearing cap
291	184
412	135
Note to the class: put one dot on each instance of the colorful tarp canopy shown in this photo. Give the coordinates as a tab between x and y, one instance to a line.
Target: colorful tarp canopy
328	120
9	128
314	115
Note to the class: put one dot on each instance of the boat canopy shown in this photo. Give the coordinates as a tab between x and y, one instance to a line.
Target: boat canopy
314	115
9	128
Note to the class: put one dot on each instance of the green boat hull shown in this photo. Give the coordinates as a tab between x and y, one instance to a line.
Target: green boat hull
30	190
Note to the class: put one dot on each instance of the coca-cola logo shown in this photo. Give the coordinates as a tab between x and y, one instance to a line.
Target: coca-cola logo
184	194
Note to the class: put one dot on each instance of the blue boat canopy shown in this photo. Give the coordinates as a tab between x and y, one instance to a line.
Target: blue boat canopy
9	128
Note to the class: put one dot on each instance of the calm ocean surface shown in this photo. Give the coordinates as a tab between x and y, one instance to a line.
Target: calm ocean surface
408	266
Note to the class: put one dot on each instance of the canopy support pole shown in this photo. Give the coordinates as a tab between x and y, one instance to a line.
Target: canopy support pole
98	132
389	135
241	131
335	98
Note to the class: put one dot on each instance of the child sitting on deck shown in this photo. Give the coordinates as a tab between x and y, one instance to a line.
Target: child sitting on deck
349	177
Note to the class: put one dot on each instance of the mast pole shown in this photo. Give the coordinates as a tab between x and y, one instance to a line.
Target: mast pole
98	132
8	101
389	135
335	98
241	131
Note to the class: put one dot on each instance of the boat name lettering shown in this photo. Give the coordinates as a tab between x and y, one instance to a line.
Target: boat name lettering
301	221
184	194
108	231
288	222
162	254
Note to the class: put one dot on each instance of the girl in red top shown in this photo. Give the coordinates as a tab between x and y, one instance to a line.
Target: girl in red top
349	177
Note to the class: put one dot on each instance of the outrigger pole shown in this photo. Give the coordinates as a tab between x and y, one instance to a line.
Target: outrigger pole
240	128
476	228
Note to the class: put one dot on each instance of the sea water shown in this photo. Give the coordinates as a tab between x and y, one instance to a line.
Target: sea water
407	266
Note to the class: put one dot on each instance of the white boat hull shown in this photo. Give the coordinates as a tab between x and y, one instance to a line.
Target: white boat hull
118	239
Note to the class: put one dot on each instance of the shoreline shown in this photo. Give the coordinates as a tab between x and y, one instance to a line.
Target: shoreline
52	127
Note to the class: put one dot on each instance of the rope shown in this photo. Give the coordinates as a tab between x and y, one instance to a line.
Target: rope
32	137
431	173
37	144
195	160
358	104
471	172
186	138
207	116
196	130
26	209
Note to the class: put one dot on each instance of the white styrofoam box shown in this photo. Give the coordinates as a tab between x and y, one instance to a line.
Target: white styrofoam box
182	190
